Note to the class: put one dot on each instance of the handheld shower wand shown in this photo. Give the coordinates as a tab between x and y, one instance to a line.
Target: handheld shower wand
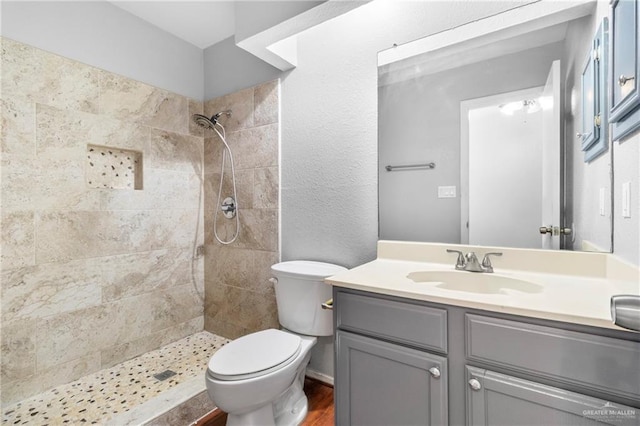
229	205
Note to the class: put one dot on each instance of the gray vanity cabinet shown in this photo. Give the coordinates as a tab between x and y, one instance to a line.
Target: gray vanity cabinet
381	383
406	362
384	372
501	400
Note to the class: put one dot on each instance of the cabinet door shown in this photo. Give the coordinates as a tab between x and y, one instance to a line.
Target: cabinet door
595	123
497	399
625	68
380	383
589	81
624	58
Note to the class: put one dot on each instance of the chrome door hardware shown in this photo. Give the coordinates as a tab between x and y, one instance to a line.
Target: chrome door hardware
555	230
475	384
546	230
622	80
435	373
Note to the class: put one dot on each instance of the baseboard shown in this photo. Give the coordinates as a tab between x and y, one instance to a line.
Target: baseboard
215	417
328	380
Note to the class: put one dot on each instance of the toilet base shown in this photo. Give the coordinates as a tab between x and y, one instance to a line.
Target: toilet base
261	417
292	406
264	416
295	416
289	409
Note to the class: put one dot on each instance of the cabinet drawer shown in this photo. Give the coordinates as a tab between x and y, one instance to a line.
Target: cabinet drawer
595	362
401	322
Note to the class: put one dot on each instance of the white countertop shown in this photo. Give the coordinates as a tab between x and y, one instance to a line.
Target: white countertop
573	298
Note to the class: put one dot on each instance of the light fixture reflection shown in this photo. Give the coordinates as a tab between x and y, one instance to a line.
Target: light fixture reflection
529	106
546	102
511	107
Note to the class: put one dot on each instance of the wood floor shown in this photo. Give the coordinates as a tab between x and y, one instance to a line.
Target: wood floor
320	403
320	407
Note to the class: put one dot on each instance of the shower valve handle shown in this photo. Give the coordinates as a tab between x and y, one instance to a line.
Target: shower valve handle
228	207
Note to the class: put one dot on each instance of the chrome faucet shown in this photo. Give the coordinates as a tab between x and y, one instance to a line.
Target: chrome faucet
469	262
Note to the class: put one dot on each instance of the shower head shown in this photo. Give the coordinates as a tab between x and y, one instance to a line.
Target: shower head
203	121
209	123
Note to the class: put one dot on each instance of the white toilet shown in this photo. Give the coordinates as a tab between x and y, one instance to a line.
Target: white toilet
258	378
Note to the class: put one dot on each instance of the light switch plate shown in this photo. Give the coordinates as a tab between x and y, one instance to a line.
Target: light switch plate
446	192
602	210
626	199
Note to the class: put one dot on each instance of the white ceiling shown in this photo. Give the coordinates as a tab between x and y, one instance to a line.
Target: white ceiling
201	23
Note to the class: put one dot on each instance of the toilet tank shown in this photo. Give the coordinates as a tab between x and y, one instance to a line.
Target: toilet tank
300	290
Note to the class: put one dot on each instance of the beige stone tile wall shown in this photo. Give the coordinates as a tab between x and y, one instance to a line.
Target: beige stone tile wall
239	298
91	277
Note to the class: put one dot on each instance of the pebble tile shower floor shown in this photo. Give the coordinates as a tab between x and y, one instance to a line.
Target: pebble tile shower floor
99	397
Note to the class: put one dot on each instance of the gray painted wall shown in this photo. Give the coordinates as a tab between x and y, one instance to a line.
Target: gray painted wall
229	68
329	125
105	36
419	120
329	130
627	169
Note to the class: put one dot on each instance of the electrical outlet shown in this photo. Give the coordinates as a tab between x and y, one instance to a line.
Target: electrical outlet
626	199
446	192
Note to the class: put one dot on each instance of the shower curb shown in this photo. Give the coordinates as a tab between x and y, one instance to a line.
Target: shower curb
149	411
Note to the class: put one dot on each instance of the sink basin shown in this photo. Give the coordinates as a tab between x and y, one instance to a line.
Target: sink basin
470	282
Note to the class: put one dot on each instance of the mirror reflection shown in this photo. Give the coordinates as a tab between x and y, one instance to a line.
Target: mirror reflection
477	138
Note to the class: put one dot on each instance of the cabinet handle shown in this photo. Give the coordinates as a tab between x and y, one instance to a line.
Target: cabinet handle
435	373
622	80
475	384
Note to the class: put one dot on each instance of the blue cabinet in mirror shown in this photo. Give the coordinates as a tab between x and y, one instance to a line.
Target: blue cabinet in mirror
590	131
594	133
625	68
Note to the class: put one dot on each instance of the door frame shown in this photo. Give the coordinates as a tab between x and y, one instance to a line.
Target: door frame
466	106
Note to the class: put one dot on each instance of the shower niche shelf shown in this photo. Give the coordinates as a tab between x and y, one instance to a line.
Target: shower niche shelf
113	168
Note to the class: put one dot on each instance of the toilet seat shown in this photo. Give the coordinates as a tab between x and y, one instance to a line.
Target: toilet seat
254	355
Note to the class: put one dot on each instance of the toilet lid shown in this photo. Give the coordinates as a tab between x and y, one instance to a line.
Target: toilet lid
306	269
254	354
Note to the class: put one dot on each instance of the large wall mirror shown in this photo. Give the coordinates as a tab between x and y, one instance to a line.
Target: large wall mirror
477	134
